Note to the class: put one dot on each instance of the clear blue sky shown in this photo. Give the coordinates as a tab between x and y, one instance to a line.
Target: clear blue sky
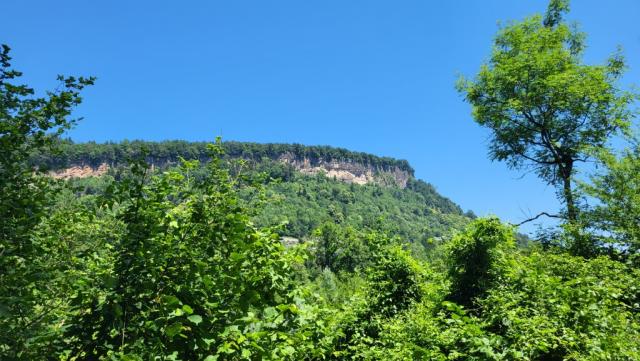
373	76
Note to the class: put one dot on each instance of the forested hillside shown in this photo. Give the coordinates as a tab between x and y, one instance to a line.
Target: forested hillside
160	153
185	251
299	202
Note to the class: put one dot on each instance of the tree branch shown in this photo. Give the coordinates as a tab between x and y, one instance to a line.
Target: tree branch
538	216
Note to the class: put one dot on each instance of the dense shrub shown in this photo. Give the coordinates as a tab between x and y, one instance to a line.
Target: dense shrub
475	256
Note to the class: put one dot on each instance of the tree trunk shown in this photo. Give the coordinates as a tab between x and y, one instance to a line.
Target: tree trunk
566	171
572	213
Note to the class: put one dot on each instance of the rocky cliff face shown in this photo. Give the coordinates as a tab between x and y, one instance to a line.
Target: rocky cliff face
80	171
348	172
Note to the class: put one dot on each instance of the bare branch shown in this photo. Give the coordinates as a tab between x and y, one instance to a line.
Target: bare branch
538	216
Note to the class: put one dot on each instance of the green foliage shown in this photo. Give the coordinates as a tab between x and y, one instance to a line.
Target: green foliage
397	281
617	214
186	262
545	306
161	153
546	109
562	307
302	203
28	263
393	282
340	249
475	258
434	330
417	214
191	277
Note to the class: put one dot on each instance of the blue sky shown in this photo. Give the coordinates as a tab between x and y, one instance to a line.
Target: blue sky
373	76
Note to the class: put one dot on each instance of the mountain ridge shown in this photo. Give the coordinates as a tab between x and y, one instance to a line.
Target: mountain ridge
94	159
307	185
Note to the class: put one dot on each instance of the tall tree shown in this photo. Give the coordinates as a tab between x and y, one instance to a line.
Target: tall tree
547	109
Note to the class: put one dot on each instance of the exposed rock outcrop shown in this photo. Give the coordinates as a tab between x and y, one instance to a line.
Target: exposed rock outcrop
345	171
349	172
80	171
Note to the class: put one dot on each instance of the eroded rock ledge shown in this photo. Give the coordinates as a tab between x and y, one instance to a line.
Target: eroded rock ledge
80	171
348	172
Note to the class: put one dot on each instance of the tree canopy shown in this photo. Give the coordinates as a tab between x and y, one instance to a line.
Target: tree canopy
546	109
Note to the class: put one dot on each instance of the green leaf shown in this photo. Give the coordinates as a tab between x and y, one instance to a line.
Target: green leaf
195	319
187	309
173	329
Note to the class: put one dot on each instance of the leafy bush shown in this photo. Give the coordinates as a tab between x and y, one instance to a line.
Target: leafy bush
191	277
555	306
475	256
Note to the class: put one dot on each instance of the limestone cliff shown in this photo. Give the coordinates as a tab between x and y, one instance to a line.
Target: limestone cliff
349	172
345	171
80	171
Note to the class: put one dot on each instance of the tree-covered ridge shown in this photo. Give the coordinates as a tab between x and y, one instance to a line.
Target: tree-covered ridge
119	153
417	213
302	203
